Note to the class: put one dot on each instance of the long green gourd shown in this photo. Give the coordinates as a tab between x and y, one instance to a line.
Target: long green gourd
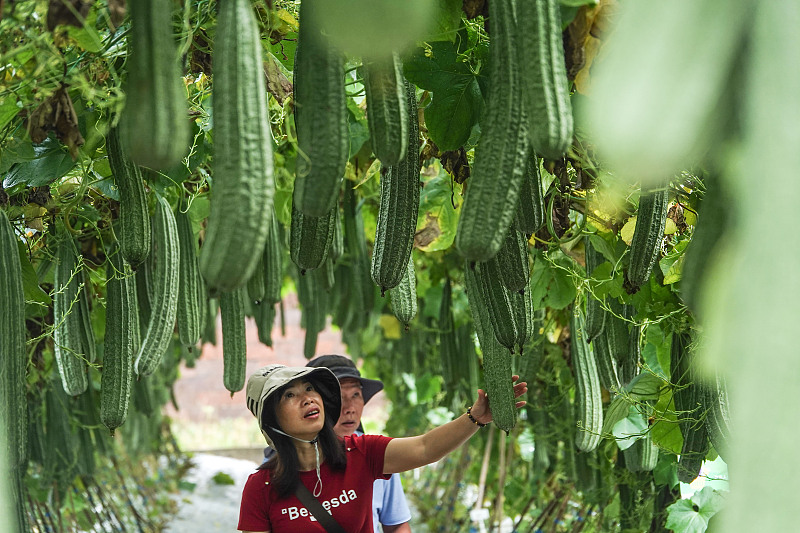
503	310
134	214
606	364
530	207
121	342
544	77
512	261
234	343
191	300
448	349
387	111
496	358
256	283
320	115
595	314
718	418
628	367
69	351
273	263
688	397
310	238
646	244
241	197
399	207
404	296
13	354
155	120
588	398
87	332
493	189
166	285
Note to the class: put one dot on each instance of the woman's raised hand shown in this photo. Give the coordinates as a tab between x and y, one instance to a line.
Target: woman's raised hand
483	413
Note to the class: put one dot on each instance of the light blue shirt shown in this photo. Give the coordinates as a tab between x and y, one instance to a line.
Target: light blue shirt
389	506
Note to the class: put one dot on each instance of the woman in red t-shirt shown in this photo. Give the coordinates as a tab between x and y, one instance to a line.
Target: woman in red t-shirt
297	409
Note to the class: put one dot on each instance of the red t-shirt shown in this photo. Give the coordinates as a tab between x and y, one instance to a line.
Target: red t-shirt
347	494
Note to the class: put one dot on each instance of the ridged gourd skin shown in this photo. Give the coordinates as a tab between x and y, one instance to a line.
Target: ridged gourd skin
544	77
404	296
642	456
314	300
500	304
606	364
530	206
156	116
191	297
688	397
617	332
595	314
68	338
13	354
320	116
492	191
496	358
166	286
87	332
388	114
264	315
234	343
451	357
512	261
244	186
273	263
255	285
646	244
310	238
398	208
628	367
588	398
718	418
134	214
362	289
121	342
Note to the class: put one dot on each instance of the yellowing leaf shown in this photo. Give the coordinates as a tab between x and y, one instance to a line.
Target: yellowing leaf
670	228
391	326
627	230
288	18
690	217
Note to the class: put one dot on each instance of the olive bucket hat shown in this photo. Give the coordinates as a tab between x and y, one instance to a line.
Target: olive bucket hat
342	368
266	380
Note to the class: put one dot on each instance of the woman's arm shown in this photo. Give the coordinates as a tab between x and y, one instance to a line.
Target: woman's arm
411	452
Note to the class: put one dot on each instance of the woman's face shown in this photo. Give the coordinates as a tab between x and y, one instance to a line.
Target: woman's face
300	411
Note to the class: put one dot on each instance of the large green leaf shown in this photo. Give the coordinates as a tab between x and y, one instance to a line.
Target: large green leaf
630	429
692	515
52	161
456	99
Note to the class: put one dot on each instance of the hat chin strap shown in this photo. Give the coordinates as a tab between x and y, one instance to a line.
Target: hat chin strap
314	441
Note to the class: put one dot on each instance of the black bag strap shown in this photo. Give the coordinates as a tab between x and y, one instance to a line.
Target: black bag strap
315	508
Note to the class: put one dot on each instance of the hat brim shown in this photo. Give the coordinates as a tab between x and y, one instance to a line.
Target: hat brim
369	387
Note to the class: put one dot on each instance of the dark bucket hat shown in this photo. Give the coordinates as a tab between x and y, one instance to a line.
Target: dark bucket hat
342	367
